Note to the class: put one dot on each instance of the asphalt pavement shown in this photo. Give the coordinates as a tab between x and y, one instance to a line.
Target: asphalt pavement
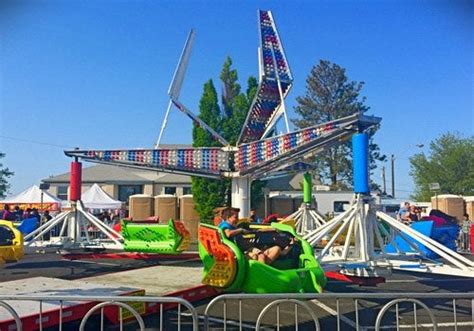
51	264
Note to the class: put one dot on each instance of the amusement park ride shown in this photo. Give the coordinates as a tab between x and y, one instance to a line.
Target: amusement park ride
353	241
73	223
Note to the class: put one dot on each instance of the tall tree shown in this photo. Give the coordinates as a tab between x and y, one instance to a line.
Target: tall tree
228	122
450	163
236	106
235	103
5	173
331	95
208	193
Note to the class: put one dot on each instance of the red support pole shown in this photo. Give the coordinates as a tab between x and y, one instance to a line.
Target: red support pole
75	181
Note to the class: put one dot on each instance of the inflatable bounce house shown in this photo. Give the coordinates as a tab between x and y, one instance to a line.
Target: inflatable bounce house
147	237
227	268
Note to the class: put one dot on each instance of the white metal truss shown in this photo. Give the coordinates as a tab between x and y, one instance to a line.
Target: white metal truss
74	231
307	219
358	237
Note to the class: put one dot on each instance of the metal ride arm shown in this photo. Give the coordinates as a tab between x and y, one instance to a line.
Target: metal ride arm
200	123
275	83
175	89
449	255
281	109
273	154
177	80
204	162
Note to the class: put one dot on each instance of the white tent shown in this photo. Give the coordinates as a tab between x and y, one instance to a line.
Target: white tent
31	198
96	198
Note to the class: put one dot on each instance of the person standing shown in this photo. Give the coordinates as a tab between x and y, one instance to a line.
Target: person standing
7	214
465	233
46	217
402	213
18	213
413	214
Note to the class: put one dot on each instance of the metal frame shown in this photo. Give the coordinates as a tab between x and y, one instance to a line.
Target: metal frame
361	252
270	42
73	223
307	219
276	114
177	81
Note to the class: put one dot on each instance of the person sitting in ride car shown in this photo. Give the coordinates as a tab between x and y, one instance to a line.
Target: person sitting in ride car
267	256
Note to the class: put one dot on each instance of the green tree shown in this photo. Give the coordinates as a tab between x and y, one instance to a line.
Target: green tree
5	173
450	163
208	193
330	95
236	106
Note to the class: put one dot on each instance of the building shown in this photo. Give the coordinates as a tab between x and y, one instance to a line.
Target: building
121	182
283	193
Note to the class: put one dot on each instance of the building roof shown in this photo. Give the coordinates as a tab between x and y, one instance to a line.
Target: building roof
102	173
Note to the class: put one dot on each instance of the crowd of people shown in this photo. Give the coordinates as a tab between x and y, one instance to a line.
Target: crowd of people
16	214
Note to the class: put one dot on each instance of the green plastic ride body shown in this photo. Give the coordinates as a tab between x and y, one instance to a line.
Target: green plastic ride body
151	238
282	276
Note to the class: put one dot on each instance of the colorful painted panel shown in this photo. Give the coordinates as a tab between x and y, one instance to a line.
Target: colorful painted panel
253	154
274	68
203	160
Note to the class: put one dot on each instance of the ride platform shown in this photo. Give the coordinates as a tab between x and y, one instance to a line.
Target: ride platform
159	280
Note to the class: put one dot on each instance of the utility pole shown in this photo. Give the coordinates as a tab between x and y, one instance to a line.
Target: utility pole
392	162
384	183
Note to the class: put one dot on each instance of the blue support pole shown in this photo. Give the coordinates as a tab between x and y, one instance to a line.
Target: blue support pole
360	162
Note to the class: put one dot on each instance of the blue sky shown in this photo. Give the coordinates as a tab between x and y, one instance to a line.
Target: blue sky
95	74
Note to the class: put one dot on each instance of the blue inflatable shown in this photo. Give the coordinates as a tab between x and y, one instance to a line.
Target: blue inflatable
445	235
28	225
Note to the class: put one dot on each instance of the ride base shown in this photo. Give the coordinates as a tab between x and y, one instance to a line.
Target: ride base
74	233
358	239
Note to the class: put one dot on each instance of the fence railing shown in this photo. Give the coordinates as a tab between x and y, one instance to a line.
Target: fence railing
94	312
327	311
342	311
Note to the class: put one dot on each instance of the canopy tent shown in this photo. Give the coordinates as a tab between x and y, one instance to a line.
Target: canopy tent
33	197
96	198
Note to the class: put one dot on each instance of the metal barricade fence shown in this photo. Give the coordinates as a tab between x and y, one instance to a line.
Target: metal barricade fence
327	311
95	312
341	311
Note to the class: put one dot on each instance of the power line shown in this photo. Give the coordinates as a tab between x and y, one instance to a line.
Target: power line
35	142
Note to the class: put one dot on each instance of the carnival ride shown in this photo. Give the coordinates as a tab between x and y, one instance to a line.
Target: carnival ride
306	217
357	237
146	237
363	239
11	242
256	155
73	224
226	267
